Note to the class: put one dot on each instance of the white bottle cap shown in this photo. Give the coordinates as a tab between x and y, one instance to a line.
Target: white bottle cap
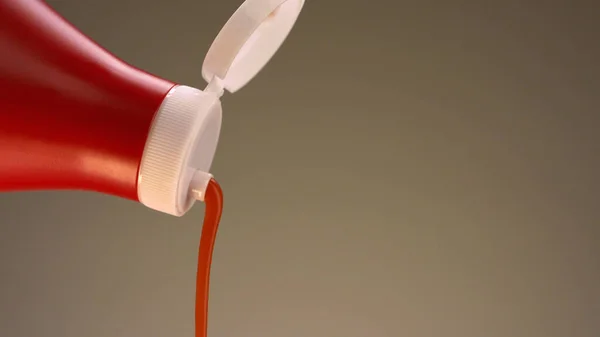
184	134
248	41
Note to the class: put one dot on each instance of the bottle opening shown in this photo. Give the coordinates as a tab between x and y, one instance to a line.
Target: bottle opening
199	184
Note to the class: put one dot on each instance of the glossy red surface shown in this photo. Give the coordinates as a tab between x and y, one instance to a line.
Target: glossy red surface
72	115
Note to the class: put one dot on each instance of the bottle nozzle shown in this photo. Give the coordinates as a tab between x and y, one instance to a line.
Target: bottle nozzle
199	183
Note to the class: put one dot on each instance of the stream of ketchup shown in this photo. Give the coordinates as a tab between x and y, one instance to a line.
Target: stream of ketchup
212	216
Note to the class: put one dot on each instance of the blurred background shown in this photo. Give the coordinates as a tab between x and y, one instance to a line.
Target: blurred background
400	168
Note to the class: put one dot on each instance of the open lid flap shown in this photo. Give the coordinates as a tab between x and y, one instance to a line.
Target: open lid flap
248	41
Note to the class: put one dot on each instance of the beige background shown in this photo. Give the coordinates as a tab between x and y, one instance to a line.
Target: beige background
401	168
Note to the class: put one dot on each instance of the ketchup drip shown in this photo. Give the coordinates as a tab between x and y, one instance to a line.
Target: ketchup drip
212	216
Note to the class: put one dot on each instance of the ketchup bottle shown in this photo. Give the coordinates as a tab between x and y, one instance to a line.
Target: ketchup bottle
75	117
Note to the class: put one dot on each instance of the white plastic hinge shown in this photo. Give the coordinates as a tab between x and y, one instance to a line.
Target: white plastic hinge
215	86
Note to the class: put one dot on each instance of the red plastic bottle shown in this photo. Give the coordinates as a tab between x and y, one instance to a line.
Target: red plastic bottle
74	116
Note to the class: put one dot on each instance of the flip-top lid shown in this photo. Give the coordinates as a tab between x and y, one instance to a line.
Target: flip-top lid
248	41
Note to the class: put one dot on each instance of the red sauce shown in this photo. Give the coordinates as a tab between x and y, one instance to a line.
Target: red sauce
212	217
